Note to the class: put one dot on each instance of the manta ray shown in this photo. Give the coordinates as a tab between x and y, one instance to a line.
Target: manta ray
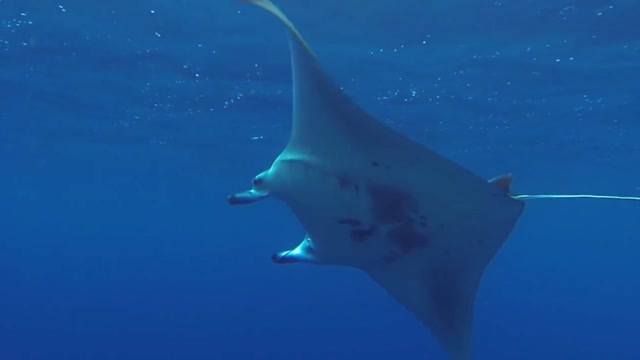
421	226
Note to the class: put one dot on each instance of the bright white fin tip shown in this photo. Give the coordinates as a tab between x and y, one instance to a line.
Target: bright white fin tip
274	10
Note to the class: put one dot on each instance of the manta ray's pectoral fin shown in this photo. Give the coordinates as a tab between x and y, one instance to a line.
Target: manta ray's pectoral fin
441	296
303	253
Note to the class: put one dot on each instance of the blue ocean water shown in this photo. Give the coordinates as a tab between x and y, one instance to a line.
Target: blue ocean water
124	126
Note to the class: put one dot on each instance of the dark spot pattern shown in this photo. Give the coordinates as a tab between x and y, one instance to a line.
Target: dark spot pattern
358	233
391	205
362	235
347	184
344	182
395	215
398	210
257	181
389	258
406	238
350	221
376	163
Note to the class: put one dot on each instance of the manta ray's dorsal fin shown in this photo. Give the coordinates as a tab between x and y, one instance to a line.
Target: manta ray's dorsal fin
503	182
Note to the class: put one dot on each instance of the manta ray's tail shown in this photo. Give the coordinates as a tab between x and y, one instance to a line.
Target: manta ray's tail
503	182
575	196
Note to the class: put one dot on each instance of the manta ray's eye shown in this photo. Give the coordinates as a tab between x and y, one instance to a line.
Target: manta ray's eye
257	181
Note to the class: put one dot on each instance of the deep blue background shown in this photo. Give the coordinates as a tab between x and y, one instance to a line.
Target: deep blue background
124	125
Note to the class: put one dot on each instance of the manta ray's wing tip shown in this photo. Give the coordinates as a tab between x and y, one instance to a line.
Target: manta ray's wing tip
275	11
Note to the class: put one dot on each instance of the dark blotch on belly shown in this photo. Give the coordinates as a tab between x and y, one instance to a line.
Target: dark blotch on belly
350	221
344	182
362	235
406	238
389	204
